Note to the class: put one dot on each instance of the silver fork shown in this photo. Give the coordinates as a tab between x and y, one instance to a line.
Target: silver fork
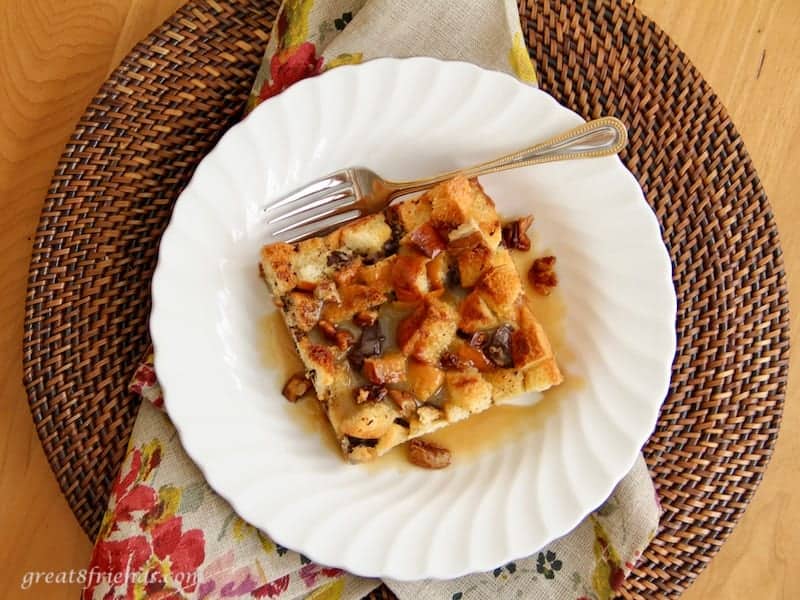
339	197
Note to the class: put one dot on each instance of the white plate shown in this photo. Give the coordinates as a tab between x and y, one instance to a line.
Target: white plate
405	119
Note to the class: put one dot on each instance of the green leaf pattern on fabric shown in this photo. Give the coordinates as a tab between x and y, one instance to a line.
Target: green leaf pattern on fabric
192	497
547	564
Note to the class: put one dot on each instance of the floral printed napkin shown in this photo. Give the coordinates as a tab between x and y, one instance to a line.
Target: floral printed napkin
167	535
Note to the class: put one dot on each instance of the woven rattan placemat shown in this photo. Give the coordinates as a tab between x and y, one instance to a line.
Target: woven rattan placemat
179	90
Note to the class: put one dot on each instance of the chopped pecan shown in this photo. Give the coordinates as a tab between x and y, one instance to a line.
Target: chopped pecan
427	455
328	329
542	276
343	339
297	387
498	349
369	393
405	401
544	263
515	236
365	318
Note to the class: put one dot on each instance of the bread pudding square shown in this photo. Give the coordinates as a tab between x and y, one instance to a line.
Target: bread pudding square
411	319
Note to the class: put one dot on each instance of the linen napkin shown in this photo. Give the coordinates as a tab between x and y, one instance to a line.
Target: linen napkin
166	534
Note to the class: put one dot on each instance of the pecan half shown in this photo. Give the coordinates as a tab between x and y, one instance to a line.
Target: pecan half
297	387
542	276
427	455
515	236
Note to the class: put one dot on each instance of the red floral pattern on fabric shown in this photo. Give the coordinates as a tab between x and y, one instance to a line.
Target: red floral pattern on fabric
290	66
140	498
142	550
118	556
145	376
183	549
145	383
312	571
272	589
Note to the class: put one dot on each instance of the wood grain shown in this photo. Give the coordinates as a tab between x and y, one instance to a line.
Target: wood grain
749	51
53	57
55	54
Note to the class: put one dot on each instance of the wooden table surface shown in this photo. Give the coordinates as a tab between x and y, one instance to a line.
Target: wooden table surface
54	54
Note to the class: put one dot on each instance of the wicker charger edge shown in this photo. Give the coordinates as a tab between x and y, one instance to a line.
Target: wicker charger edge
110	198
178	91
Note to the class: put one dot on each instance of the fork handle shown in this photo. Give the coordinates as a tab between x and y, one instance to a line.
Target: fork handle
600	137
